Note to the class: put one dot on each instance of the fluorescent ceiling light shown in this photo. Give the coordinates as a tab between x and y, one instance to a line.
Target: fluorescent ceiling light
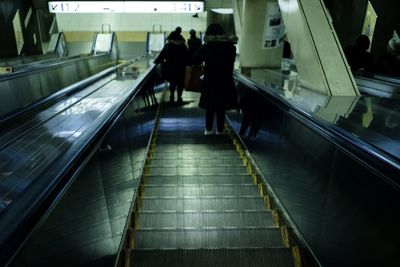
125	7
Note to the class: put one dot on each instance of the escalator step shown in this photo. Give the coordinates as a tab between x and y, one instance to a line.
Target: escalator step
205	219
182	238
196	154
197	170
204	203
201	140
198	179
201	190
236	161
272	257
192	147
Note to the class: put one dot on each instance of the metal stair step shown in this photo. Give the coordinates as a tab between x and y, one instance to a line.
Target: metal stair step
193	140
200	190
197	161
196	154
197	179
197	170
257	257
202	203
181	238
192	147
205	219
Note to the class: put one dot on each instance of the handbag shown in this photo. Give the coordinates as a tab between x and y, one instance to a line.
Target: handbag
193	78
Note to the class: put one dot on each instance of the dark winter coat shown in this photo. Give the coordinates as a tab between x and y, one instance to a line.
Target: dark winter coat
219	92
194	44
173	58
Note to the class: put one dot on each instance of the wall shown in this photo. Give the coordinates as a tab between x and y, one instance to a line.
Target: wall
348	18
8	46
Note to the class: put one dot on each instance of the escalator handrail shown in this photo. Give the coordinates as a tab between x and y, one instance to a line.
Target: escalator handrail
63	176
392	80
44	66
383	164
39	63
10	117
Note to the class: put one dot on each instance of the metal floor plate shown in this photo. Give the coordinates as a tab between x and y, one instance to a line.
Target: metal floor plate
208	238
276	257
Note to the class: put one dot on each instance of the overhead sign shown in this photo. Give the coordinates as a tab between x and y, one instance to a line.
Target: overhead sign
125	7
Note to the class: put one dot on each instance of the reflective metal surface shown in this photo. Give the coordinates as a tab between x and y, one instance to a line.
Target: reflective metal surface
371	119
22	90
86	227
346	212
377	85
46	143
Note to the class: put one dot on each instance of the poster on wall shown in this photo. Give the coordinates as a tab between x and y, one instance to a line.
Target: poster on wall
19	37
155	42
274	28
369	23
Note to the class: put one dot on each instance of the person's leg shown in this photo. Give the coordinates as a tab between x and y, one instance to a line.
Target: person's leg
172	87
220	120
255	125
180	91
209	119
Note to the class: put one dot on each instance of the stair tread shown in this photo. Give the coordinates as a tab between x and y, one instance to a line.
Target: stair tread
250	203
205	219
200	190
255	257
208	237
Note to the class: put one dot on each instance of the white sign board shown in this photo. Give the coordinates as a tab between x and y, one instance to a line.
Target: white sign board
125	7
19	37
28	17
274	29
369	23
156	42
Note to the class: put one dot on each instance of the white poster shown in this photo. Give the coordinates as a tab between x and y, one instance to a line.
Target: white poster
274	28
156	42
28	17
19	37
369	23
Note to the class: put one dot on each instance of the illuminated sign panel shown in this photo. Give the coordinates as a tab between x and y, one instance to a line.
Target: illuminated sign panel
125	7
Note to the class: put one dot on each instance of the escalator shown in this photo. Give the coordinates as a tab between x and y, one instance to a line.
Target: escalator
145	187
38	151
36	82
200	203
377	85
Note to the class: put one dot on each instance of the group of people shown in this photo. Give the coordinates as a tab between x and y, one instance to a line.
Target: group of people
360	59
217	56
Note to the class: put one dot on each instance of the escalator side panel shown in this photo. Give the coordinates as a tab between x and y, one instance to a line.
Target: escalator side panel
342	208
86	227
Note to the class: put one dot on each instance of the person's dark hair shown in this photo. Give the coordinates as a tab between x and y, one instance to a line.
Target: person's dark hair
363	42
192	32
174	36
178	29
215	29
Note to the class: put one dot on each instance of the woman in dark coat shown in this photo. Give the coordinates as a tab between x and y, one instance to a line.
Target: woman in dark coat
174	54
219	92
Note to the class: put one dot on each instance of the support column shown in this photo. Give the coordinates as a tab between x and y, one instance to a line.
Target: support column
253	53
320	61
